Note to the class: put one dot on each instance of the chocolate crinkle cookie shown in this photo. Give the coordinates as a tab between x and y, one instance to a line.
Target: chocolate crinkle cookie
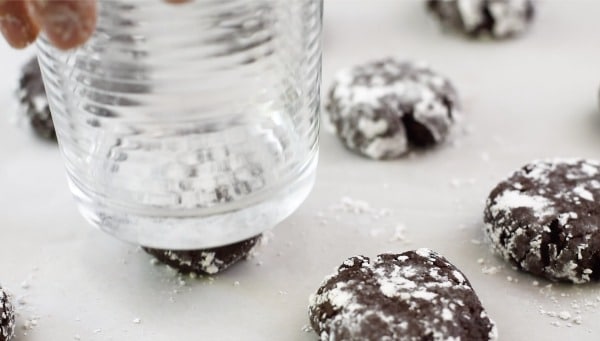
205	261
385	108
416	295
545	219
7	317
493	18
33	101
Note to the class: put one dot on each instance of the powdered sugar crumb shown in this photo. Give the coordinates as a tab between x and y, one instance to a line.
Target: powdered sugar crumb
359	207
306	328
399	234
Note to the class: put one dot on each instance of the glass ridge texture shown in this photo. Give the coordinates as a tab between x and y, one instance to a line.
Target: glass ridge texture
190	126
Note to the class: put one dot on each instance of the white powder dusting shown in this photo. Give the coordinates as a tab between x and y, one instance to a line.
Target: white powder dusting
447	314
499	19
514	199
590	168
339	297
349	205
399	234
306	328
416	282
583	193
564	315
368	101
372	128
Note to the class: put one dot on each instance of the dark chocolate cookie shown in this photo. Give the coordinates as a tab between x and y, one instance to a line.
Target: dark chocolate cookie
207	261
384	108
32	97
545	219
417	295
493	18
7	317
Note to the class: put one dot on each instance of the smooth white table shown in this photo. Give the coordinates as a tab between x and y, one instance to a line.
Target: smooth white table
533	97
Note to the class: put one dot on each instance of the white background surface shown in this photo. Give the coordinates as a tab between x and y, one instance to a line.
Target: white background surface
529	98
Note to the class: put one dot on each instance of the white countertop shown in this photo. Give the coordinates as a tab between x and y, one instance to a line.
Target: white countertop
533	97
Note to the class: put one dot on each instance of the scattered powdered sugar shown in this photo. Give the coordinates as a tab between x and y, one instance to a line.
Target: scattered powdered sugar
489	269
399	234
564	315
31	323
458	183
359	207
306	328
569	305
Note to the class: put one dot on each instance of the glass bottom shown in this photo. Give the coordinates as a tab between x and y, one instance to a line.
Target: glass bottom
199	230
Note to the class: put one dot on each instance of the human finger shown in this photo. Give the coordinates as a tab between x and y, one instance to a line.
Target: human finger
66	23
17	26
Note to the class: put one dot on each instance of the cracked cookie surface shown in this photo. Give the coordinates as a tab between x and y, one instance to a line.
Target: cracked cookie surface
498	19
416	295
545	219
385	108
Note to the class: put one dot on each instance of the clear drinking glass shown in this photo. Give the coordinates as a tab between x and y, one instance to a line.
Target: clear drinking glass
190	126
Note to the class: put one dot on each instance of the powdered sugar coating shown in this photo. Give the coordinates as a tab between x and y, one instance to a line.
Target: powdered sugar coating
33	101
544	219
207	261
416	295
383	108
7	317
494	18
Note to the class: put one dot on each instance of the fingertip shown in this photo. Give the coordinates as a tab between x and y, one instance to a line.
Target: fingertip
66	23
16	25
